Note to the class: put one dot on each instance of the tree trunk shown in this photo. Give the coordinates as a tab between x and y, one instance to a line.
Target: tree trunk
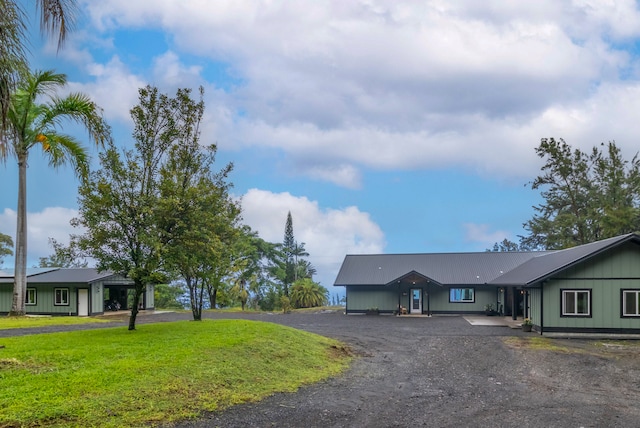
20	272
136	301
213	295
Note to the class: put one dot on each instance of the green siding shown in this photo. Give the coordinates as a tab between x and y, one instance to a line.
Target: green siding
361	298
605	276
435	298
6	297
45	300
534	306
483	296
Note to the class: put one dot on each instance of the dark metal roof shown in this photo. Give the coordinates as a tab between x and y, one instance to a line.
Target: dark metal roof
62	275
495	268
442	268
542	267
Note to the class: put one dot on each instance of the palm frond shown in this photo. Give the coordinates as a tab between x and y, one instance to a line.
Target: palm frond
57	17
62	149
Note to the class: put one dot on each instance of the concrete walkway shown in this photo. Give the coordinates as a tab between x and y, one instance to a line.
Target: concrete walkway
493	321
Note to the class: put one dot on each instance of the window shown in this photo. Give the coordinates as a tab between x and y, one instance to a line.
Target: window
30	298
576	303
631	303
61	296
462	295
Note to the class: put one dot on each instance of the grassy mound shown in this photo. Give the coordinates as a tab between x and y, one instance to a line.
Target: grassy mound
160	372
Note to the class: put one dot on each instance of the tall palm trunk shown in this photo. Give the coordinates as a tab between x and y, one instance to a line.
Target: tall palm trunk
20	272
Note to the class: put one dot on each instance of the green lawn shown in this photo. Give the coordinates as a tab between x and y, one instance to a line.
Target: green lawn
158	373
41	321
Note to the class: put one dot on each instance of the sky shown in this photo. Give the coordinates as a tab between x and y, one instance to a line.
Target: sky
383	126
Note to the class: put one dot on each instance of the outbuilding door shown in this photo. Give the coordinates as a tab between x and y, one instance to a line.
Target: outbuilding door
83	302
416	301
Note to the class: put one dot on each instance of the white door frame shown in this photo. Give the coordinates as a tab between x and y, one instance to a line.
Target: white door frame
83	302
413	307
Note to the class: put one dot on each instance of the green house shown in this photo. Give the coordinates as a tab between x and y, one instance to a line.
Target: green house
592	289
72	292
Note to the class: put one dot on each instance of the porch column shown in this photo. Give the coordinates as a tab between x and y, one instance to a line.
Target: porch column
514	304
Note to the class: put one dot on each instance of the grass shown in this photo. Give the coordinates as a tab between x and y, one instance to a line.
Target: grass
159	373
601	348
43	321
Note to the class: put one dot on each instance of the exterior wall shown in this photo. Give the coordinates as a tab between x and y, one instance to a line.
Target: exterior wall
150	300
535	300
439	300
45	299
605	277
6	297
435	299
96	298
361	298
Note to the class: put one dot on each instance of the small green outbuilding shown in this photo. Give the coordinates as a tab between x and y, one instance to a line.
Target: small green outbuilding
72	292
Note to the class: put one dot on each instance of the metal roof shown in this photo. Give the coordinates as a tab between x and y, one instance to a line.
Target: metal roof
61	275
542	267
495	268
442	268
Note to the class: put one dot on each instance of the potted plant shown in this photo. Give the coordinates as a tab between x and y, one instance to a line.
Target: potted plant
527	324
488	309
372	311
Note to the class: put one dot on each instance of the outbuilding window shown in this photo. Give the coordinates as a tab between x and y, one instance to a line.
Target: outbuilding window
631	303
30	298
462	295
576	303
61	296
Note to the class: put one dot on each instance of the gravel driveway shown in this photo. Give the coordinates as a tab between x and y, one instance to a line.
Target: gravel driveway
444	372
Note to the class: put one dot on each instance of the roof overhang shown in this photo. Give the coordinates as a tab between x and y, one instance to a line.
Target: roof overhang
413	278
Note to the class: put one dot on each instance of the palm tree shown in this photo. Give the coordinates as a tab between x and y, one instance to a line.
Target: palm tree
305	293
56	17
32	124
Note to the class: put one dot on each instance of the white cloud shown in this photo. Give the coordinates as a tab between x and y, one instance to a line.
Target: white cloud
51	222
345	86
113	88
328	234
481	233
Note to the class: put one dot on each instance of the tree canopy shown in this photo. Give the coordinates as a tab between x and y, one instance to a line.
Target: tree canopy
587	196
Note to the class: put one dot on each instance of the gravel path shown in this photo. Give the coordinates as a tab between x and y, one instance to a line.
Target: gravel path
443	372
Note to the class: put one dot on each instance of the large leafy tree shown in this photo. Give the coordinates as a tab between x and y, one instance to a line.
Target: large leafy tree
197	216
34	120
64	256
118	204
587	196
253	263
56	19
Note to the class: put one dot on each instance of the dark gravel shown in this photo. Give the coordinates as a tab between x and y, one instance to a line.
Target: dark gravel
443	372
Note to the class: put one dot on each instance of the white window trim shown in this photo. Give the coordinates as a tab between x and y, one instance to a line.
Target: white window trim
576	292
35	297
624	303
66	303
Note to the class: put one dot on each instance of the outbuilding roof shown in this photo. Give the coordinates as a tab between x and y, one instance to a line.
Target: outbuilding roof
495	268
60	275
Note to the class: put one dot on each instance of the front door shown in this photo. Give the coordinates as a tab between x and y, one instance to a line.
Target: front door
416	301
83	302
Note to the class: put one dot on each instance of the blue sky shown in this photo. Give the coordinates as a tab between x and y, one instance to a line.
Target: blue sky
383	126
